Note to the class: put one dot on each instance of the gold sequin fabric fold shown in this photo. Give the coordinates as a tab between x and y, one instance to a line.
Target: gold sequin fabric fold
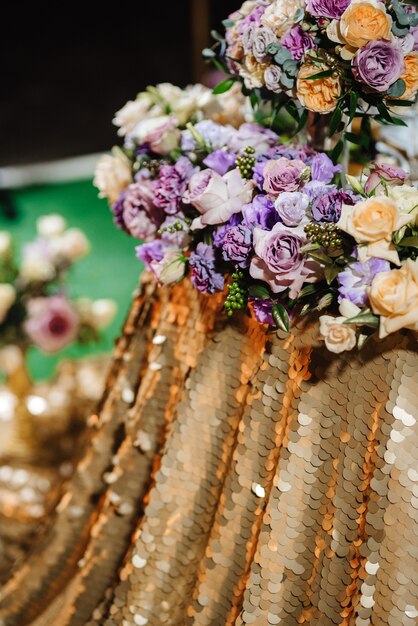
235	476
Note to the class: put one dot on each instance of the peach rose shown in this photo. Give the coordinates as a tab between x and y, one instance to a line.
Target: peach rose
410	76
364	21
253	72
279	16
394	296
373	222
338	336
318	95
113	174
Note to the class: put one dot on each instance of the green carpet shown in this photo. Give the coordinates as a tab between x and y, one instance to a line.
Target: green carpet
110	271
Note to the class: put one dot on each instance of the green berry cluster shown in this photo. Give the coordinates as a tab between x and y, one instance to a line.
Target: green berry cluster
246	162
327	235
175	227
237	297
154	167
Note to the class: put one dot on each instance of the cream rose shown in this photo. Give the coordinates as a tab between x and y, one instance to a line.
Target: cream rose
364	21
318	95
279	16
113	174
373	222
410	76
50	225
406	199
338	337
134	112
394	296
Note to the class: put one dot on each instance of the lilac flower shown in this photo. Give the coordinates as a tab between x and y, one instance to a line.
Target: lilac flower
261	38
297	41
253	135
292	154
263	311
260	212
327	207
149	252
237	245
220	232
171	184
278	259
323	169
214	135
139	216
204	276
291	207
327	8
221	161
252	19
357	278
379	64
117	210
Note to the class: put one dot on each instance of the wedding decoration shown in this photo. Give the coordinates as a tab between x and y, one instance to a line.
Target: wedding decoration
35	308
348	58
234	208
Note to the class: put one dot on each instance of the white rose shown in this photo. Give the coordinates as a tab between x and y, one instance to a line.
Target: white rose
134	112
406	199
171	268
37	268
103	311
113	174
7	298
5	245
279	16
73	245
50	225
338	336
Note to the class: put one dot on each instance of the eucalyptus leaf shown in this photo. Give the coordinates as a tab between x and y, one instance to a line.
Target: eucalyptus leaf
228	23
208	53
290	67
286	81
273	48
224	86
215	35
280	317
299	15
397	89
282	55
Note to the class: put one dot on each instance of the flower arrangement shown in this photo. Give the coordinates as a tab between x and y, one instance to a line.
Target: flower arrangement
34	306
347	58
271	226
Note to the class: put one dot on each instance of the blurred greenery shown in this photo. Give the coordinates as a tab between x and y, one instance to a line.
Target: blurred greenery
109	271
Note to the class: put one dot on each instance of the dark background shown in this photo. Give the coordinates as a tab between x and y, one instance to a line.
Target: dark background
65	70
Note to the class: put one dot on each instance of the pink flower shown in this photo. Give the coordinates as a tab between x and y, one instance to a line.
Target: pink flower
218	197
52	323
384	175
278	259
283	175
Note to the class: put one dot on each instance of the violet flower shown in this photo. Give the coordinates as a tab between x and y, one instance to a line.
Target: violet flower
357	278
237	245
204	276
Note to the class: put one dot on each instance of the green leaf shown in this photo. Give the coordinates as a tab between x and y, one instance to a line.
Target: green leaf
409	242
308	290
337	151
399	31
224	86
335	121
303	120
397	89
273	48
320	257
280	317
352	138
400	103
286	81
228	23
290	67
292	109
353	105
299	15
324	74
364	319
282	55
331	272
215	35
259	291
355	184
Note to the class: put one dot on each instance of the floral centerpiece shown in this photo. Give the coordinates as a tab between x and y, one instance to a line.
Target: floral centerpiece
270	224
348	58
35	308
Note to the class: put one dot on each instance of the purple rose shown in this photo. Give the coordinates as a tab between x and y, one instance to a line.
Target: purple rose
261	38
139	217
204	276
279	260
301	153
253	18
384	175
263	311
237	245
220	232
327	8
327	207
283	175
323	169
357	278
221	161
171	184
260	212
378	64
291	207
297	41
253	135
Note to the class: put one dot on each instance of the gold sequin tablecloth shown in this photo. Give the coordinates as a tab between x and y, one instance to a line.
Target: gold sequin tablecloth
235	476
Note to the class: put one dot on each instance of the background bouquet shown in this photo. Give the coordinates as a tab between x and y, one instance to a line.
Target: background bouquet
34	304
345	57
